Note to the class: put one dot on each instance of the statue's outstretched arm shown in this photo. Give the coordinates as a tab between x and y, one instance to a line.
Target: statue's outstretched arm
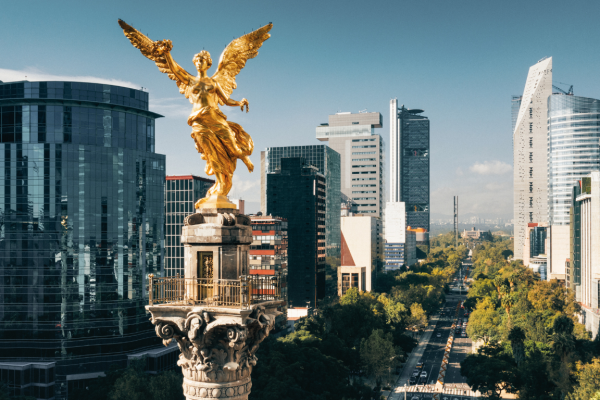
181	74
229	101
159	52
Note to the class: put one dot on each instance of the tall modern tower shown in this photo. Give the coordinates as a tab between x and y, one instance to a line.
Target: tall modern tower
409	163
573	153
82	226
530	152
327	162
361	158
297	192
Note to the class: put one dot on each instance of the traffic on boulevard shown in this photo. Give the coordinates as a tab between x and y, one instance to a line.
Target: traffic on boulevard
433	369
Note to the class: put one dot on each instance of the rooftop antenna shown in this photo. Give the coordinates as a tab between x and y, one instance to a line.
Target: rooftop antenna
455	221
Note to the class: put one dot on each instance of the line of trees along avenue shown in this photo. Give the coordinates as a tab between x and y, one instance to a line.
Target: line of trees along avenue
359	332
531	341
350	341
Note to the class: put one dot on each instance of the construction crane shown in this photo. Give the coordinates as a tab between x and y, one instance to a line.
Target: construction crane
569	92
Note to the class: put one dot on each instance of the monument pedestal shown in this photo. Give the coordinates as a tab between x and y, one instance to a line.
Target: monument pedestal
217	313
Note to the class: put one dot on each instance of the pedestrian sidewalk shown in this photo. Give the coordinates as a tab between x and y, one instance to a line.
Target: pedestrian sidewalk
414	357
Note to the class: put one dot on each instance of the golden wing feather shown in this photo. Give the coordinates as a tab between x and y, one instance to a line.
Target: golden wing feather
154	51
235	55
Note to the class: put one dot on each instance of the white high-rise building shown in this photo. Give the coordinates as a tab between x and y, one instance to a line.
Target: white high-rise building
400	243
361	151
530	152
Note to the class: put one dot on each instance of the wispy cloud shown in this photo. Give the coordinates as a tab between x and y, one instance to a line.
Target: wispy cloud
35	74
172	106
246	189
491	168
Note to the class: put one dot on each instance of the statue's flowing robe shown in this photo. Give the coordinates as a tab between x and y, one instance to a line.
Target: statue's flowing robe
222	142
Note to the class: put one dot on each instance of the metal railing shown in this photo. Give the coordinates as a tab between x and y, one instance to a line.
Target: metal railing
249	289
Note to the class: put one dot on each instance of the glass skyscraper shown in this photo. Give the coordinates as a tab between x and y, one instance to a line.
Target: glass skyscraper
297	192
82	220
327	162
181	194
409	163
573	149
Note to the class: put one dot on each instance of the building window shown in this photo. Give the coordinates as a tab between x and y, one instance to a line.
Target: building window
531	127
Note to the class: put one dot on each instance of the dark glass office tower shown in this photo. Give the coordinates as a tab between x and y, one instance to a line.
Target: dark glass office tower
297	192
537	241
181	194
409	163
82	220
327	162
573	273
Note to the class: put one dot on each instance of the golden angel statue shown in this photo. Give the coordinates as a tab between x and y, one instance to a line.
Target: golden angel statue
220	142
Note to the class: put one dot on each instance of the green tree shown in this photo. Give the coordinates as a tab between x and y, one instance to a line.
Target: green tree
533	376
418	317
395	312
484	321
588	381
491	371
132	385
167	386
517	337
298	370
377	353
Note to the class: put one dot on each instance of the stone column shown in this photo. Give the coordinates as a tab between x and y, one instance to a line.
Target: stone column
219	329
217	344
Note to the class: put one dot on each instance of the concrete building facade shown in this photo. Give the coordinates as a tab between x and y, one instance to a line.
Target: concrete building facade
362	249
589	243
361	150
530	152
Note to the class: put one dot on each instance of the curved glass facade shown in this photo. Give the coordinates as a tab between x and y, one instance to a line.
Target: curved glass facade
81	224
573	149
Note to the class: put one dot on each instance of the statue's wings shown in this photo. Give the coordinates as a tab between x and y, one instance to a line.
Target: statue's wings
155	51
235	55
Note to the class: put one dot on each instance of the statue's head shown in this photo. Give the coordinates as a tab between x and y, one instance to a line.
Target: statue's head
202	58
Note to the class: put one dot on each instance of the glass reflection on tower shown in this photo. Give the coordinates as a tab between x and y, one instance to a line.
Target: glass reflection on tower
81	224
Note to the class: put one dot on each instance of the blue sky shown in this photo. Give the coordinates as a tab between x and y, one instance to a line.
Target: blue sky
460	61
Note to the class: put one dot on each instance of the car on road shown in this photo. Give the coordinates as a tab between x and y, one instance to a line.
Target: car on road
416	372
424	374
438	335
423	380
413	380
420	364
463	334
415	398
